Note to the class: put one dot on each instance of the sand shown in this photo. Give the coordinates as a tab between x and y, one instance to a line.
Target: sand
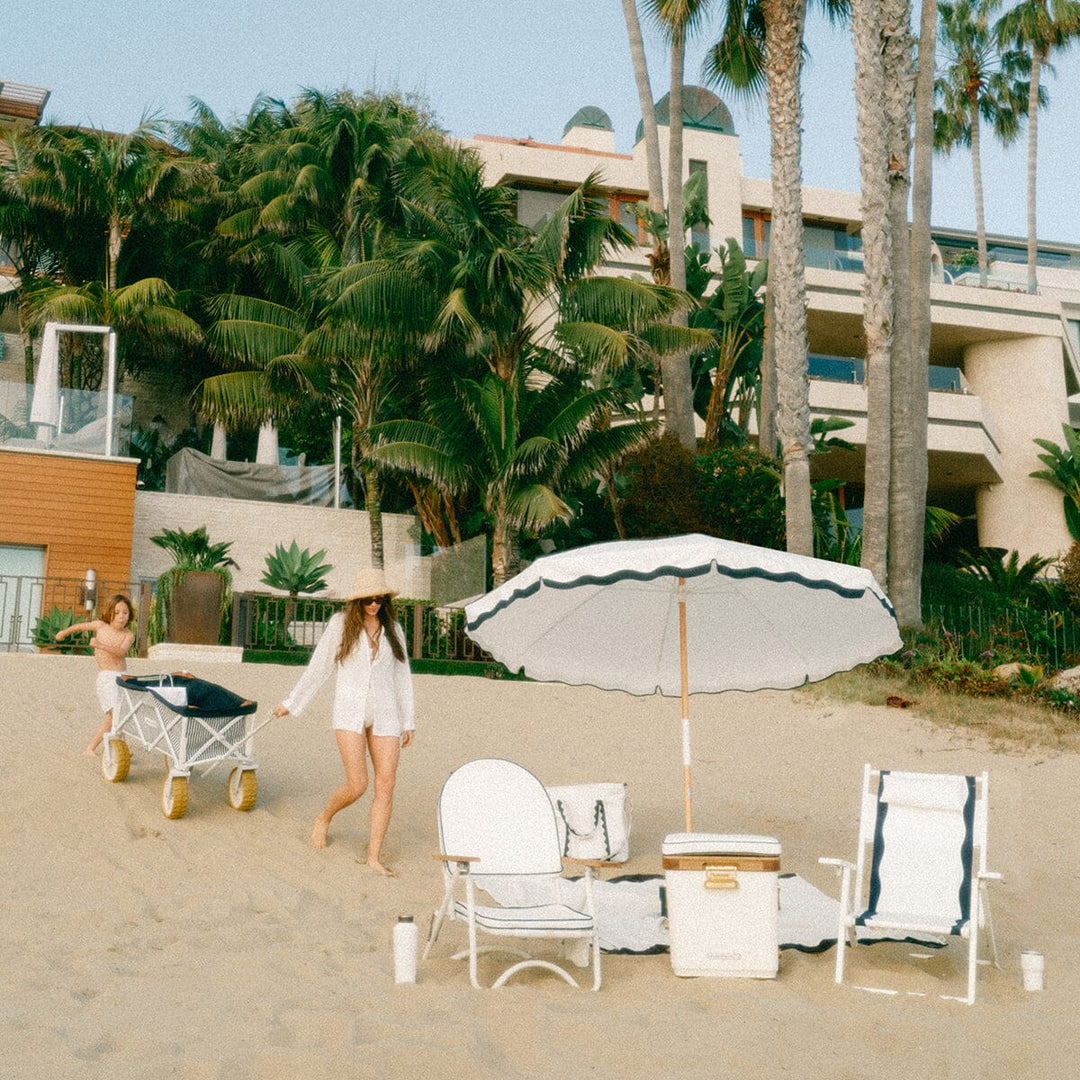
223	945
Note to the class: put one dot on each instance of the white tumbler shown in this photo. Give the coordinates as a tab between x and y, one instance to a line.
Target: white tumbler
406	941
1033	968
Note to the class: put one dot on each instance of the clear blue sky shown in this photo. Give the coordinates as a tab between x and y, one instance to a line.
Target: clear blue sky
496	67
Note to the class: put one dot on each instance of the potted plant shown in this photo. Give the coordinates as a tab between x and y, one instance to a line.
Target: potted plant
193	595
294	571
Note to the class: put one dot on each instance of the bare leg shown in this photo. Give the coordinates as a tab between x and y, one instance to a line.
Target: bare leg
385	751
95	742
354	758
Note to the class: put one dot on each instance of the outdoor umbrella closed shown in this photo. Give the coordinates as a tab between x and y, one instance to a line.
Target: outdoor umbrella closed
684	615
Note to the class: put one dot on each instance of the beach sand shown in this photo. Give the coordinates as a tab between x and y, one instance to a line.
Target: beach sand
222	945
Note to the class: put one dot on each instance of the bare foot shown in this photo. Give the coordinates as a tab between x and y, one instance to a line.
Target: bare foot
318	832
374	864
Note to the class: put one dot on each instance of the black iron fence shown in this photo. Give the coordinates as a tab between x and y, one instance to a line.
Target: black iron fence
262	621
32	609
977	632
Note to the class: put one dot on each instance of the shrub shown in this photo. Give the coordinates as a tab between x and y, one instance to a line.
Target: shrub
663	495
740	496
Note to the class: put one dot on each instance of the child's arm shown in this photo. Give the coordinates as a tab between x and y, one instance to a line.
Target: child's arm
115	642
92	625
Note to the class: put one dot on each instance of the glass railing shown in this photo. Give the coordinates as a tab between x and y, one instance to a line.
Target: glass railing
850	369
68	420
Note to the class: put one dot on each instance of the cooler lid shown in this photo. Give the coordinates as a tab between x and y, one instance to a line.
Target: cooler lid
696	843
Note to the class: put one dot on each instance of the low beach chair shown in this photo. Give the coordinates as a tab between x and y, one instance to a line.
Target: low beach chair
497	827
921	864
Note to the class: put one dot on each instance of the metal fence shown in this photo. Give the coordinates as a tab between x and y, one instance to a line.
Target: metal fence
975	631
33	608
262	621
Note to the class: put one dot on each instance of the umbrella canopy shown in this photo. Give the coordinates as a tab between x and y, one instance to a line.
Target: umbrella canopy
683	615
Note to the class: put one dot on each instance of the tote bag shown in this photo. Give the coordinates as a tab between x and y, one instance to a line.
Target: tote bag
593	820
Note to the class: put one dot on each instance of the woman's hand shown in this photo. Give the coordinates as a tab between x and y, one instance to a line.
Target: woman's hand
281	711
406	737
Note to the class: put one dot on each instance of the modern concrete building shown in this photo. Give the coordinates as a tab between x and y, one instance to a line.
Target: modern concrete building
1003	363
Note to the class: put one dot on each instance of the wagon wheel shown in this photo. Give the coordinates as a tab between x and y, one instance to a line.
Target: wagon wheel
115	760
174	797
243	788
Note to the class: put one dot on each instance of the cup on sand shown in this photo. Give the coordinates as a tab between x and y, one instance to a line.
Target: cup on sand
1033	968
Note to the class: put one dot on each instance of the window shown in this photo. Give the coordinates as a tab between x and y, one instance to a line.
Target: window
755	234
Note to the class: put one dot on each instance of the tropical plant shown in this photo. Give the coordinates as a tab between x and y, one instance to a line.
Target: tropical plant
294	571
48	624
518	444
1040	28
1063	471
979	83
740	495
1004	576
191	551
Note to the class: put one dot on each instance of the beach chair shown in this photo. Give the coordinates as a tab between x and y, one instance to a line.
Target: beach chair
921	864
497	827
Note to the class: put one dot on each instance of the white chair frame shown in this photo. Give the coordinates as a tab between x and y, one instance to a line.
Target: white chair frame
463	873
856	879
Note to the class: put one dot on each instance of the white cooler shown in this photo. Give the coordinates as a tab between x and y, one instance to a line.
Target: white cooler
723	899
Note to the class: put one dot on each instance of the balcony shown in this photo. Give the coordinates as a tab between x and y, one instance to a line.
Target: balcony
84	421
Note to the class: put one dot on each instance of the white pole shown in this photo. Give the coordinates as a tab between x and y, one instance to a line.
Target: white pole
687	801
337	462
110	391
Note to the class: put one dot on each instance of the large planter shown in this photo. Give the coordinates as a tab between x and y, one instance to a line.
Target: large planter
194	616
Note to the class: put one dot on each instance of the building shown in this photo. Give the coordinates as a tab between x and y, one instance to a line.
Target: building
1003	363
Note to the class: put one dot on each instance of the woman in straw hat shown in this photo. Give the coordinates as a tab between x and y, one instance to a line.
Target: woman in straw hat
373	702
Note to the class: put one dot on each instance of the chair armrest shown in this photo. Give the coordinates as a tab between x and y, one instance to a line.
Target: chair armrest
457	858
596	864
840	864
988	875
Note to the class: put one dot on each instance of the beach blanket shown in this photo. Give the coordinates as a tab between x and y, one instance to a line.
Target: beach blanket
631	919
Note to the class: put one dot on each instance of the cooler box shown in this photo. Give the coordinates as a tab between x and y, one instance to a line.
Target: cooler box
723	899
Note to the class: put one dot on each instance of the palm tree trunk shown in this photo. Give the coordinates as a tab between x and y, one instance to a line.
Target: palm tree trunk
373	505
767	400
1038	58
877	279
500	542
648	109
980	213
784	20
911	325
907	522
678	387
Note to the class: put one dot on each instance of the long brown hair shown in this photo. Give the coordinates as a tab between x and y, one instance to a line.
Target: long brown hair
108	609
354	626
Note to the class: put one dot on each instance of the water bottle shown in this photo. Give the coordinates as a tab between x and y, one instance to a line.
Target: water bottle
406	941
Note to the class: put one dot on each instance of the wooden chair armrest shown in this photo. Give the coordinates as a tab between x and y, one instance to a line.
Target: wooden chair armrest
989	875
457	858
840	864
596	864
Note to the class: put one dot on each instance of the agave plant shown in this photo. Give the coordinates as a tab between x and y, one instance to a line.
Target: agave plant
295	572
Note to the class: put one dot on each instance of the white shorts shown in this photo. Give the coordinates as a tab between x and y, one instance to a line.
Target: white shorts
108	693
354	723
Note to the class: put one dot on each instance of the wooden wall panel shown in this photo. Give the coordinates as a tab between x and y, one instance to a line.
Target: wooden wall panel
81	509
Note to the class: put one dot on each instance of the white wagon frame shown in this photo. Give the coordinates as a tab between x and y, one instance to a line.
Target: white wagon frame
154	712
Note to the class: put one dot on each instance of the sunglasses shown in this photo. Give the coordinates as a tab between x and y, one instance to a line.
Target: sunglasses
372	600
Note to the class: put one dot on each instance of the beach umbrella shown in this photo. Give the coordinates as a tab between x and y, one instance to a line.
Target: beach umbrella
684	615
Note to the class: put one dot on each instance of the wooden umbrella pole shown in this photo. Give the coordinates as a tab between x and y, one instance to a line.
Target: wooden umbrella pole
687	802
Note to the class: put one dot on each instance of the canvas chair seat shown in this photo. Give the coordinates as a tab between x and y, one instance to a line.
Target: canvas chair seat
920	864
496	821
553	918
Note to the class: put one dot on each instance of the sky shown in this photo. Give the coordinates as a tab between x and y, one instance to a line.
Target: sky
493	67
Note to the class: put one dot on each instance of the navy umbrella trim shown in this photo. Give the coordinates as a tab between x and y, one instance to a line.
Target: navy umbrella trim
674	571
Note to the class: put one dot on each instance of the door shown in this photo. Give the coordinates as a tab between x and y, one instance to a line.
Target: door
22	581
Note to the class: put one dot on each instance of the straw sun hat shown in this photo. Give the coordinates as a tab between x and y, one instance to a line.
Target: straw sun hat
370	583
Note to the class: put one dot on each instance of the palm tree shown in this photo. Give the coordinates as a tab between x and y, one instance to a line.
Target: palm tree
677	17
1039	28
520	445
978	83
